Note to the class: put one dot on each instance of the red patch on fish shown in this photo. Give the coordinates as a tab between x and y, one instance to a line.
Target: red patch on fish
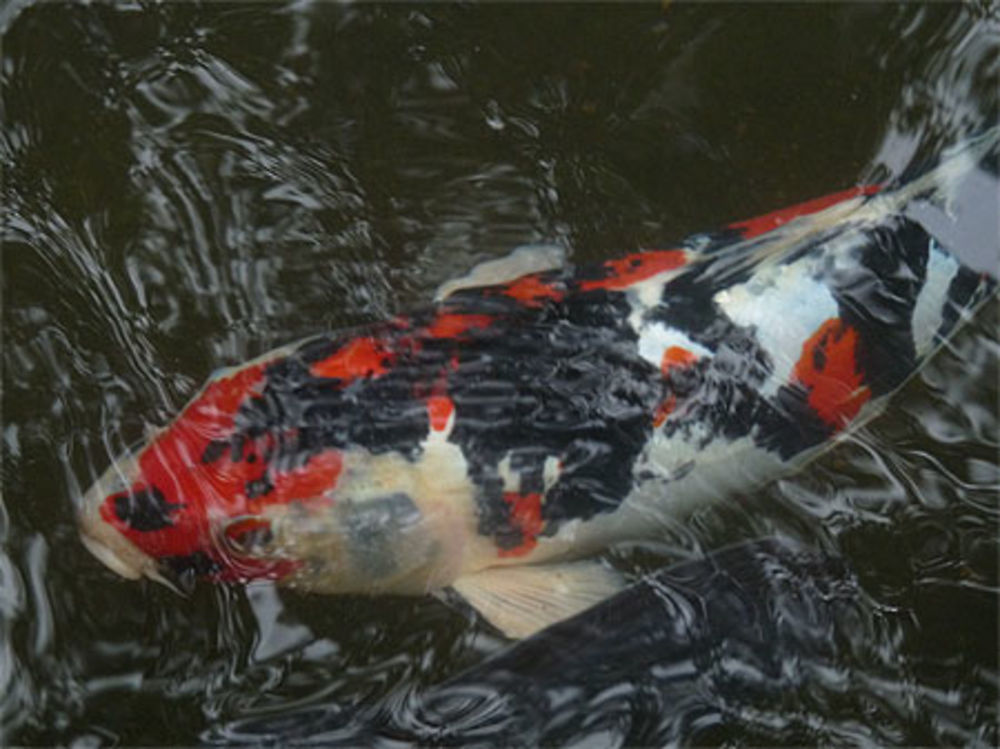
664	409
526	516
305	482
768	222
634	268
198	492
531	291
172	464
362	357
439	411
675	357
828	370
449	325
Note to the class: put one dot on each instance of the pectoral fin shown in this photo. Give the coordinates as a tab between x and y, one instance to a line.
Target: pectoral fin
529	258
520	601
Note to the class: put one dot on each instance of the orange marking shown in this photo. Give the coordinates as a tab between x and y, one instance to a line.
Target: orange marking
526	515
308	481
451	325
828	370
674	357
762	224
664	410
530	290
362	357
439	410
636	267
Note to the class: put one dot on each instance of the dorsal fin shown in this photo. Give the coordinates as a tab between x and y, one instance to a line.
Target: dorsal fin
521	261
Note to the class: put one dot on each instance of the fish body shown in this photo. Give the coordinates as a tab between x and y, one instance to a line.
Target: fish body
528	418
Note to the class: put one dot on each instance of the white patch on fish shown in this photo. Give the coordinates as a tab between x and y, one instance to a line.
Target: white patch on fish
785	304
655	338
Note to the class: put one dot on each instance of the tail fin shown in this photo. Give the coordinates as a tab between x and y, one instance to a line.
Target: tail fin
941	175
957	204
940	187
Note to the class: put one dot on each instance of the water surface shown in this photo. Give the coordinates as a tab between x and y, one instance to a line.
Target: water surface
186	186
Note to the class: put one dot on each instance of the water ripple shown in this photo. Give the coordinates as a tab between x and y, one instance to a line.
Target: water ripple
187	186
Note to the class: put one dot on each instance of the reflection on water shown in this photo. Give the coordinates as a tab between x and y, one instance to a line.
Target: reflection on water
672	659
186	187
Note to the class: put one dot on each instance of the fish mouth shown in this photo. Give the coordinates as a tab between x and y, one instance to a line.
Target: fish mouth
116	552
123	558
102	539
123	564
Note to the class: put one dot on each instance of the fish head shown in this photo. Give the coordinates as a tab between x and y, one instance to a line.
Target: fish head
275	471
183	504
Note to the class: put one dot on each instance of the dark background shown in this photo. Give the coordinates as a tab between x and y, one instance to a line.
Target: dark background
188	185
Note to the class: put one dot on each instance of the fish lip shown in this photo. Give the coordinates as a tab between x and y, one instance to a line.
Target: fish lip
115	551
116	562
102	539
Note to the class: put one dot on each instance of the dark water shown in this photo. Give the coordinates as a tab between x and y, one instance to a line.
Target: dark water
186	186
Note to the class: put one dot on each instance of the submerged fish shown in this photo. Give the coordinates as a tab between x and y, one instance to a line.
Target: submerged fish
538	412
755	607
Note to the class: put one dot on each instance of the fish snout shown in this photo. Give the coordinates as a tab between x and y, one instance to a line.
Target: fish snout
100	537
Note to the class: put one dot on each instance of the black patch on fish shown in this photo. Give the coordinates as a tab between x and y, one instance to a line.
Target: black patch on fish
532	481
529	464
508	537
876	296
819	358
567	383
789	425
259	487
185	569
494	513
966	289
237	446
687	304
721	394
144	509
564	380
314	414
214	451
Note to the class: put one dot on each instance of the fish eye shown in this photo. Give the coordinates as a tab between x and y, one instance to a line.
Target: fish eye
248	535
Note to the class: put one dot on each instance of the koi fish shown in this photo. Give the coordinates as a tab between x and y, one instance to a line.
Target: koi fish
536	413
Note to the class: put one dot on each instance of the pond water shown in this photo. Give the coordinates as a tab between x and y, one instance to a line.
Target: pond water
186	186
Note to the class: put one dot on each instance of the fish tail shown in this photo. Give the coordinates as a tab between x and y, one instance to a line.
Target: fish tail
940	178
